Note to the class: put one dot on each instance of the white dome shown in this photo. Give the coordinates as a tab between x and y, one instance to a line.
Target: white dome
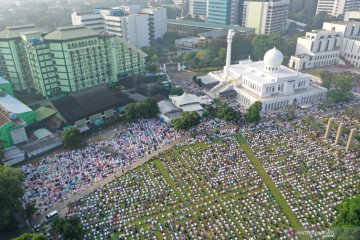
273	58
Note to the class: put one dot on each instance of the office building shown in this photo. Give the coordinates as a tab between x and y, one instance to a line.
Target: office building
136	25
69	59
337	7
222	11
266	16
336	43
198	8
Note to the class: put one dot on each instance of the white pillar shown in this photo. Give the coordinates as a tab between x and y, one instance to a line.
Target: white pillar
228	53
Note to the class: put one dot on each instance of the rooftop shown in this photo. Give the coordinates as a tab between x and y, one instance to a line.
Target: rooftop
16	31
83	104
210	25
70	33
13	105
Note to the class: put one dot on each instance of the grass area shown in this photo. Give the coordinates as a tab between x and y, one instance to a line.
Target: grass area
160	166
269	183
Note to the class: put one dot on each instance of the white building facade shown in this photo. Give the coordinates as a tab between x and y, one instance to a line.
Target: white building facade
337	7
274	85
335	44
266	16
136	25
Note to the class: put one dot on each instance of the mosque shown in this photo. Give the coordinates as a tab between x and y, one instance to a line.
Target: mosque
266	81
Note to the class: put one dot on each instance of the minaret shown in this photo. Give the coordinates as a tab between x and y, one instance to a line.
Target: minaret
228	53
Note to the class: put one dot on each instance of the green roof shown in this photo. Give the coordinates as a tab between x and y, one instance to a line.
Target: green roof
43	113
209	25
71	33
12	32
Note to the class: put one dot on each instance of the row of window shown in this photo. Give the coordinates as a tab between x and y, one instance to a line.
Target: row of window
82	44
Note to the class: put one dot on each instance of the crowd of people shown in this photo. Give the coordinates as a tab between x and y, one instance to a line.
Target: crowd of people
56	177
313	178
209	188
189	86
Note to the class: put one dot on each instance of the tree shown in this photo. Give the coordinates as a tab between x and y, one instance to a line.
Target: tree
71	137
146	109
226	112
326	79
30	210
32	236
187	121
69	228
337	96
188	56
2	148
344	82
252	114
176	91
10	191
348	219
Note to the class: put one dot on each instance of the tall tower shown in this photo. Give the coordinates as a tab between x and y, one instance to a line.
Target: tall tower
230	36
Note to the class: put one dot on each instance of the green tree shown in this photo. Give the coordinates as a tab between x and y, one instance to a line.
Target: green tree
32	236
29	210
131	113
188	56
69	228
252	114
71	137
226	112
337	96
146	109
187	121
10	193
344	82
327	79
347	223
2	148
176	91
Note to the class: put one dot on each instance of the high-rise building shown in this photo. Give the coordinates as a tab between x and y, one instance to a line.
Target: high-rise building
337	7
69	59
198	8
222	11
136	25
266	16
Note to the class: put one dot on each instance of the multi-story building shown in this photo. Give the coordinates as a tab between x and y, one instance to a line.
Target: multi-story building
198	8
69	59
352	16
316	49
222	11
13	58
336	43
92	20
266	16
136	25
337	7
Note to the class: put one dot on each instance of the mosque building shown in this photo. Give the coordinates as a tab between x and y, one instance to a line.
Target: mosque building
267	81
